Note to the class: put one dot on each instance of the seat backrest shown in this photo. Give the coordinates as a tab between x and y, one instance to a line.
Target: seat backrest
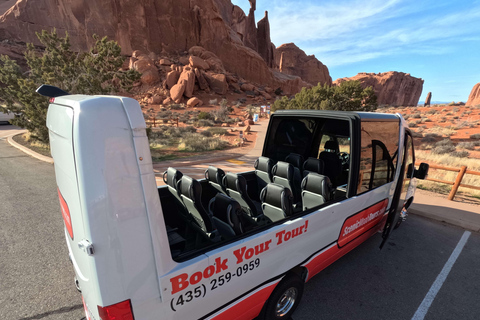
236	187
313	165
171	177
331	159
284	174
214	176
276	202
226	213
316	190
296	160
263	170
191	193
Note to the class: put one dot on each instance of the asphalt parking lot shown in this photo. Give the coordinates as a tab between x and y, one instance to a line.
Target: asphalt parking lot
36	279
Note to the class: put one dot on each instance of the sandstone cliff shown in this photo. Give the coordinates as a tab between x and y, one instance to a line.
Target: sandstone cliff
292	60
474	97
159	26
392	88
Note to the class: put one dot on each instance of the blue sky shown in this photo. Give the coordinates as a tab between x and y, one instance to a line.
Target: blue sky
438	41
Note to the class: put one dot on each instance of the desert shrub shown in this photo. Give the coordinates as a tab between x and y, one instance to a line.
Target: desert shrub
406	116
443	146
467	145
428	120
206	133
197	142
213	101
443	149
177	106
412	124
454	109
449	114
416	115
455	117
475	136
432	111
460	154
430	137
97	71
217	131
221	114
444	110
417	134
204	123
348	96
205	116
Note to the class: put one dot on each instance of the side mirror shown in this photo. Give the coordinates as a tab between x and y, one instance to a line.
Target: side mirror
409	171
422	171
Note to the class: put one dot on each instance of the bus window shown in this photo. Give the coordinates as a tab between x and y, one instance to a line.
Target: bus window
378	158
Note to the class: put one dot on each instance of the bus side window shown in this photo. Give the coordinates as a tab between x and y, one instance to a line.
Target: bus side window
378	157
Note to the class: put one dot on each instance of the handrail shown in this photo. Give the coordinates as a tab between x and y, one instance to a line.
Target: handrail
462	171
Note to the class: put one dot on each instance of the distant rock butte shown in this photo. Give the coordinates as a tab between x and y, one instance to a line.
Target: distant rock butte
474	97
158	26
392	88
292	60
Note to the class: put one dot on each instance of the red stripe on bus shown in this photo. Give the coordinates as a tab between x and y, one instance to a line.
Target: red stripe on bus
249	307
332	254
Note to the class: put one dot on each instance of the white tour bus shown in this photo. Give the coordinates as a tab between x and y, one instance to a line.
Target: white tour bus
230	246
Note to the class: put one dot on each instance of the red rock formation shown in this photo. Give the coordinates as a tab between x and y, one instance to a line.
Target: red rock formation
168	26
474	97
265	46
291	60
392	88
428	99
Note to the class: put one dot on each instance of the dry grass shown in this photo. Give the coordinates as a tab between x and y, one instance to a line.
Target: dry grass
449	161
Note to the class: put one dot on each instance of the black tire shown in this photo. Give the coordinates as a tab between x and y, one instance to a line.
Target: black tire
284	299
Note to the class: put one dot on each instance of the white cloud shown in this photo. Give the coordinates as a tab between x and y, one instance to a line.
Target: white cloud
344	32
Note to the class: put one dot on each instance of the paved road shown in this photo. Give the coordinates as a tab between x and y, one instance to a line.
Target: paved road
36	278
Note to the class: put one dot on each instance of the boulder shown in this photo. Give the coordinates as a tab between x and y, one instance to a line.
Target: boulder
188	76
172	78
266	95
197	62
142	65
234	86
291	60
474	97
150	76
156	99
250	122
391	88
184	60
194	102
165	62
202	82
132	62
246	129
137	53
217	82
167	100
247	87
177	91
214	62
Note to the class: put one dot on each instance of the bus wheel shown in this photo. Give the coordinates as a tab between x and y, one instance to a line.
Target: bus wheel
284	299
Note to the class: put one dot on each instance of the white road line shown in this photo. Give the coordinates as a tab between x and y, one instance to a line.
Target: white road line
427	301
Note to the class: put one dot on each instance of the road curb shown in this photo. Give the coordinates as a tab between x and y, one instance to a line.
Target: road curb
27	150
453	219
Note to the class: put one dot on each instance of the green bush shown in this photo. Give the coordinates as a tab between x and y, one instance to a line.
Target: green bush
205	116
97	71
348	96
475	136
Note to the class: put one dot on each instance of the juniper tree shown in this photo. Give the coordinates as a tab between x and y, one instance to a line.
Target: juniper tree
348	96
97	71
